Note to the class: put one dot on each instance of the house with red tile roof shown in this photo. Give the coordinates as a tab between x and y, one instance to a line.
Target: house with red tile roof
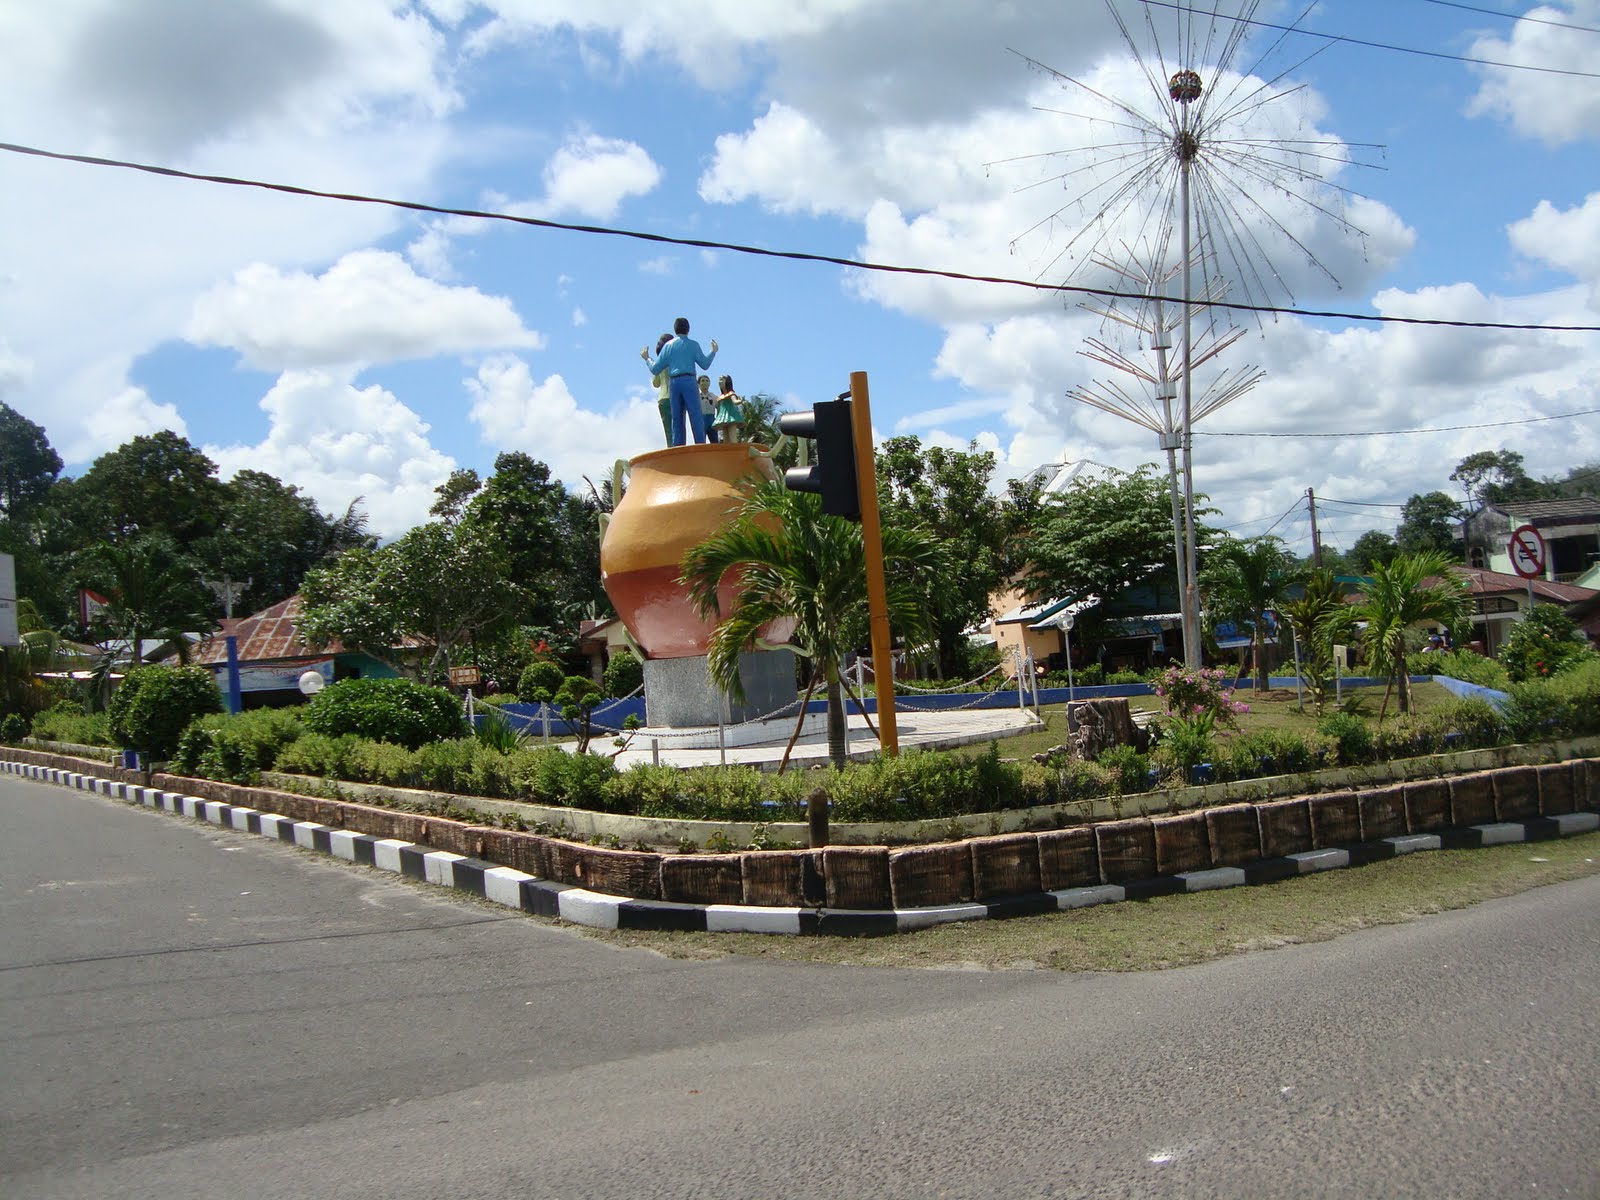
273	656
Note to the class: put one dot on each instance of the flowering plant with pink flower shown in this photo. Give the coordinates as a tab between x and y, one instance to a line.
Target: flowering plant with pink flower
1192	693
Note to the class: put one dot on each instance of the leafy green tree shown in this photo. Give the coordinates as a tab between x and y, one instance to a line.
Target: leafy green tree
29	465
1498	476
439	587
1103	536
1404	592
1370	549
1241	580
945	495
270	533
787	559
1428	524
157	483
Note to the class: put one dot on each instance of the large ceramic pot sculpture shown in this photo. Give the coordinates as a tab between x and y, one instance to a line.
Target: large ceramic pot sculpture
676	498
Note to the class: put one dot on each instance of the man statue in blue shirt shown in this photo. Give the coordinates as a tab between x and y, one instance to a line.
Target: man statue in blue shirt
679	358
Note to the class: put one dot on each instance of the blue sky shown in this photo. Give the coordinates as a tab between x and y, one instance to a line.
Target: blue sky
360	351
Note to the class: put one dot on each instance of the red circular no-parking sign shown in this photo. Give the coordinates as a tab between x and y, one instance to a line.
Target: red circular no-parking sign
1528	555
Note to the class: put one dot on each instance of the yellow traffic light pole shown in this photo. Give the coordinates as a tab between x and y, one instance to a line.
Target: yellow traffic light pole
872	543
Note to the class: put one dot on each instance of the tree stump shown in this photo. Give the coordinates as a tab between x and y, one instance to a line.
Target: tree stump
1094	726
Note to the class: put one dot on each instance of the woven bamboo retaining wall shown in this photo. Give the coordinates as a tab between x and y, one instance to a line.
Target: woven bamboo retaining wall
974	869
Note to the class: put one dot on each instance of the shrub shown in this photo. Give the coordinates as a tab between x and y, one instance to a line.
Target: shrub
1125	677
1130	770
1465	665
1464	724
237	748
624	674
13	728
552	776
707	794
496	730
319	754
1187	741
1564	705
390	710
1352	737
1199	693
1267	752
154	705
1544	643
924	784
540	681
67	722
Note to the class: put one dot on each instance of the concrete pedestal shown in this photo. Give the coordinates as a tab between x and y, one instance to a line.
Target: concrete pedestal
678	692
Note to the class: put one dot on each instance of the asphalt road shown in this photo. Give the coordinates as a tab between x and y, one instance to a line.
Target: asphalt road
185	1011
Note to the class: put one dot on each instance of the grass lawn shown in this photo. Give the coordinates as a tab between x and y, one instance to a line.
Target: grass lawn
1174	931
1273	709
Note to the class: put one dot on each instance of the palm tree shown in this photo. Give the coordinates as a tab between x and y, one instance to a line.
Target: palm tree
153	590
1408	590
787	559
1320	618
1242	580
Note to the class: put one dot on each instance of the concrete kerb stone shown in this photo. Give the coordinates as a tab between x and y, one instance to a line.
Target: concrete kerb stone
513	888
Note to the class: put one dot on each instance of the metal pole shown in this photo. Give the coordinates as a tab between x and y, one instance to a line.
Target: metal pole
1021	702
1066	637
544	714
1300	699
872	546
235	699
1191	596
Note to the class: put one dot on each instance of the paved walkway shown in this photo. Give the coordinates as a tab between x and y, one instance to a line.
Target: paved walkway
923	730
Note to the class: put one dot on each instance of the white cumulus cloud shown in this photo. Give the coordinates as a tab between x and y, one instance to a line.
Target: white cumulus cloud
514	411
1544	104
339	442
369	307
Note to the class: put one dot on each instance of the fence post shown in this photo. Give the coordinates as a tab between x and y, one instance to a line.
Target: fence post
544	714
655	752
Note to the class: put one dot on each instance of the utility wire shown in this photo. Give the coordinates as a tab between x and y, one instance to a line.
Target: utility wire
1584	412
1334	37
765	252
1491	12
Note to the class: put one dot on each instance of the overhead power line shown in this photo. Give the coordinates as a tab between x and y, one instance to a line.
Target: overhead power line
1582	412
763	251
1335	37
1532	20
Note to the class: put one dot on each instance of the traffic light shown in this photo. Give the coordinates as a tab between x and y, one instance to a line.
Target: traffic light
832	473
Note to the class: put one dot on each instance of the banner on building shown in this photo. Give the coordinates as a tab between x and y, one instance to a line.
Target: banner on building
274	677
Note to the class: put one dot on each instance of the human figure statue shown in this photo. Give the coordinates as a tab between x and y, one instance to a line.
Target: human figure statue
663	384
729	417
679	358
708	408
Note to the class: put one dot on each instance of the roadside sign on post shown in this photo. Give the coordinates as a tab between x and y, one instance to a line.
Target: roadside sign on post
1528	553
463	676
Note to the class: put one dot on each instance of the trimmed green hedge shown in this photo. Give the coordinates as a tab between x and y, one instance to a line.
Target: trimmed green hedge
389	710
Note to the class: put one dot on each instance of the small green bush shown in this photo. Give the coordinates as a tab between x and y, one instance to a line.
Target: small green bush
1130	770
67	722
1467	723
1352	737
1465	665
1564	705
237	748
495	729
1544	644
13	728
155	704
540	681
623	675
319	754
390	710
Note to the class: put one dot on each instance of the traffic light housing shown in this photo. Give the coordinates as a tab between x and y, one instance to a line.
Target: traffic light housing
832	473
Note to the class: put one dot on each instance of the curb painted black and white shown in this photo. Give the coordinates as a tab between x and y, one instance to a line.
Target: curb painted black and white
546	898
